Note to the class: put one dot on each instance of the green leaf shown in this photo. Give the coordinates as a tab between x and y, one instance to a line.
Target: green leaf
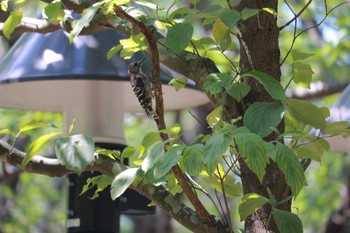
75	152
147	141
251	147
113	51
175	130
167	161
219	31
6	131
36	146
179	36
112	154
272	86
100	181
121	2
238	90
289	164
246	13
341	128
230	17
306	113
34	125
302	74
262	117
193	159
270	10
178	83
4	5
153	154
181	15
11	22
122	181
232	188
71	127
250	203
216	82
297	55
313	149
129	152
287	222
54	12
214	148
87	16
214	116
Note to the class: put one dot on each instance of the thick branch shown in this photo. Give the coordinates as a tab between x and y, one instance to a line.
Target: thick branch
158	194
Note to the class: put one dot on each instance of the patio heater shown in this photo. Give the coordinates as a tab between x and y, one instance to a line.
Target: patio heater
45	72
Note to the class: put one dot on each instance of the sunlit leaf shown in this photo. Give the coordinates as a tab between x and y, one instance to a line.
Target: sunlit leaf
270	10
214	116
178	83
54	12
129	151
100	182
112	154
113	51
34	125
87	16
250	203
6	131
75	152
122	181
11	22
36	146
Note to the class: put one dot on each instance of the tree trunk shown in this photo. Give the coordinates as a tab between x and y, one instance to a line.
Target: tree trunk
260	51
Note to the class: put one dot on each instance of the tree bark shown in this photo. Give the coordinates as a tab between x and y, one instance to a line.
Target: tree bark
260	51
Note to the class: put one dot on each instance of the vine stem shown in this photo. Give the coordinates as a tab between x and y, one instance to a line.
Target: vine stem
199	207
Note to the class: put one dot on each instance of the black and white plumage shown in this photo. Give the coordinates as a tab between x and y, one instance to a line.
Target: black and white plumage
142	87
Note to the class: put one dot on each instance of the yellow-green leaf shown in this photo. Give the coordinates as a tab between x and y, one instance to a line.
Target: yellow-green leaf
250	203
306	113
36	146
12	21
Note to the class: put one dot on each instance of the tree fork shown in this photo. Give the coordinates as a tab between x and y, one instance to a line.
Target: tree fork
258	37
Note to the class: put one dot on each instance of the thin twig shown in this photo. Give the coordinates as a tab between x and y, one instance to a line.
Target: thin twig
160	110
296	16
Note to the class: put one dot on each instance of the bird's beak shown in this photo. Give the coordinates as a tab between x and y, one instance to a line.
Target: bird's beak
142	61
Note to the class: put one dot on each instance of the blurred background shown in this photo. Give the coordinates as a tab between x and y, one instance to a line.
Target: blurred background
31	203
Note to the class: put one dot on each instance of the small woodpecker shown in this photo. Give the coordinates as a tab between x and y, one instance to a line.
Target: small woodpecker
142	87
